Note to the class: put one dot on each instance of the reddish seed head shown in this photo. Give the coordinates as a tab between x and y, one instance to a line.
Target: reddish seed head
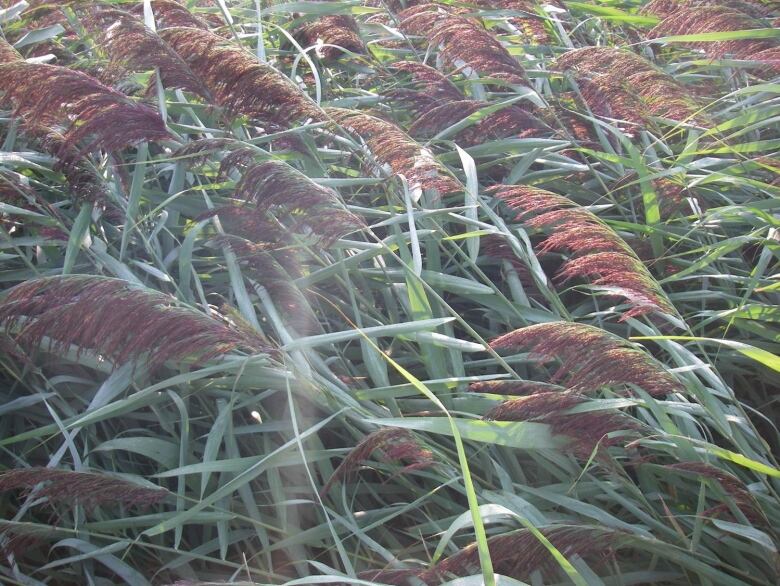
621	274
710	19
517	554
430	82
276	186
237	81
169	13
118	320
730	484
391	444
130	44
334	29
275	267
526	200
619	84
8	53
513	387
391	146
587	431
19	539
510	121
664	8
463	40
45	95
599	253
84	488
438	104
590	358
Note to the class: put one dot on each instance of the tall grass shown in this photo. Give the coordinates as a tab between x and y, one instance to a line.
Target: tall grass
389	292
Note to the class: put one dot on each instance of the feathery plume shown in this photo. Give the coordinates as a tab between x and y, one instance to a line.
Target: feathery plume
438	104
495	246
334	29
514	387
131	44
275	183
237	81
275	268
562	111
391	146
517	554
46	95
116	319
240	158
620	84
432	87
567	222
169	14
391	445
520	553
590	358
201	151
711	19
8	53
581	233
20	539
85	185
276	186
527	199
530	25
619	274
510	121
730	484
85	488
586	431
242	221
80	175
664	8
462	41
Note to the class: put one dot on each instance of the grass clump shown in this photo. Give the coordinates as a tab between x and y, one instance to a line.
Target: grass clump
389	292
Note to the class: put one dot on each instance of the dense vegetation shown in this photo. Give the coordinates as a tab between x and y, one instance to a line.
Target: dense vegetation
389	292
